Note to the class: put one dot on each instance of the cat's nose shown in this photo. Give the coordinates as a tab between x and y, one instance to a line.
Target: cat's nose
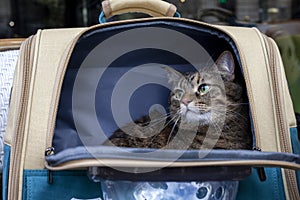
186	101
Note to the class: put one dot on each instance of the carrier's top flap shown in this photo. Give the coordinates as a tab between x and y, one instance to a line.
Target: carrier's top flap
57	50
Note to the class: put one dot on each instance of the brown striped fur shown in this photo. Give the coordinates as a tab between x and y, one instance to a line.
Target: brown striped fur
208	109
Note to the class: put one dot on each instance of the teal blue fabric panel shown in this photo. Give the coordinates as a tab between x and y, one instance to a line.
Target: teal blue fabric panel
296	149
252	188
6	161
295	140
66	185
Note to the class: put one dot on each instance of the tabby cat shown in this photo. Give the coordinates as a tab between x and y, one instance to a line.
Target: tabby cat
207	109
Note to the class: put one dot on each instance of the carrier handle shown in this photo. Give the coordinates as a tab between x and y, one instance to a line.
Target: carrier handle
155	8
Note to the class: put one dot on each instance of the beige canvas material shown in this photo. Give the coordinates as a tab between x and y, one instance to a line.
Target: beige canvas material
50	45
259	84
155	8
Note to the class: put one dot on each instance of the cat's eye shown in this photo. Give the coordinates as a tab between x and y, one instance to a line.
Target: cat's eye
203	89
178	94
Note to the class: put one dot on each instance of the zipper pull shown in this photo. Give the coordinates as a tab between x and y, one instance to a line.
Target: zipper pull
256	149
50	151
260	170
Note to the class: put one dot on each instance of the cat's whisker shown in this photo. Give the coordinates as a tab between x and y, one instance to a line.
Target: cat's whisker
231	104
228	111
234	114
236	120
222	106
164	118
172	119
157	120
173	128
165	126
237	104
237	115
215	125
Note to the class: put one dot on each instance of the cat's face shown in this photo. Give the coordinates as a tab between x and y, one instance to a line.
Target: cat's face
199	97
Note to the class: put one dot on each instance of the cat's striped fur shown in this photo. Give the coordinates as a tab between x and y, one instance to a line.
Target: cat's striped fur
208	109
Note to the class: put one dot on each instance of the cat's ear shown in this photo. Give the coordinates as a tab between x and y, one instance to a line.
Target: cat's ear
173	75
225	64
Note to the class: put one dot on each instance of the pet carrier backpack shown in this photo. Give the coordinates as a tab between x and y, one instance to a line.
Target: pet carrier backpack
68	83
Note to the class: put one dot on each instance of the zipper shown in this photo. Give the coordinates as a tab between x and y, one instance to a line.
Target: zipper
57	90
285	145
50	151
260	170
16	167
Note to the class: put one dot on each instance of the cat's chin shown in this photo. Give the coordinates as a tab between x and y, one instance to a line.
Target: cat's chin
197	119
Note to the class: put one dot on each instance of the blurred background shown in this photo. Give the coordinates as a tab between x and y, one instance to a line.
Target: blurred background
21	18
